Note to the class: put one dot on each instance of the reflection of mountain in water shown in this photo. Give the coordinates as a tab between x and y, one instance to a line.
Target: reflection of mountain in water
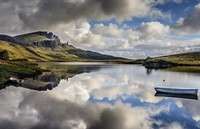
48	80
185	96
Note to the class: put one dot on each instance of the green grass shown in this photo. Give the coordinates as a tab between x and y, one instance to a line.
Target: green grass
32	37
22	69
18	52
185	62
192	58
185	69
61	54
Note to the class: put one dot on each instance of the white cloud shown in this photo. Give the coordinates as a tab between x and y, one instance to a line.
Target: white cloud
105	85
53	113
115	37
149	39
157	14
154	30
75	27
106	37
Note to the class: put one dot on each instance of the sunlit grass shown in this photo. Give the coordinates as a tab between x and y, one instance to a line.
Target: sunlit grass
182	59
18	52
187	69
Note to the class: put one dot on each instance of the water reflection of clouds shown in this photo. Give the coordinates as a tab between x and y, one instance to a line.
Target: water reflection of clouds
107	83
118	98
44	111
167	113
38	111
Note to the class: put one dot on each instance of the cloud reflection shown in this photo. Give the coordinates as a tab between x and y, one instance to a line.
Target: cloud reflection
114	98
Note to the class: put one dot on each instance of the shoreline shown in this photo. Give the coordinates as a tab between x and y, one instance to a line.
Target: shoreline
30	70
27	68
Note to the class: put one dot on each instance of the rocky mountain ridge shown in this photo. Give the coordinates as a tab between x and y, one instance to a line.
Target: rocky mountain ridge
39	39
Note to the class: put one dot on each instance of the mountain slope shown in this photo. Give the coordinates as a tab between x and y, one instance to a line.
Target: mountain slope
45	46
32	37
29	53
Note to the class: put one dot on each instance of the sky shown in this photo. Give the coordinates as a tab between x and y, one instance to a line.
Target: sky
128	28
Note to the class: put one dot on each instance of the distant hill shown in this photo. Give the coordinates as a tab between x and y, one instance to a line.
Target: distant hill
168	61
45	46
190	58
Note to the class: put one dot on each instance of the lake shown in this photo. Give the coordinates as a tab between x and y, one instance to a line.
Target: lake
103	97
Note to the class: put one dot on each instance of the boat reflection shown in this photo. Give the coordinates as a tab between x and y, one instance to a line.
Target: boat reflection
185	96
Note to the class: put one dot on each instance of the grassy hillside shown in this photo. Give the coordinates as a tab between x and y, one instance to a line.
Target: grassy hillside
29	53
192	58
32	37
15	52
45	46
185	62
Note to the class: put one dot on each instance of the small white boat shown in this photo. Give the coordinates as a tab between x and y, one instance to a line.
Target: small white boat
179	91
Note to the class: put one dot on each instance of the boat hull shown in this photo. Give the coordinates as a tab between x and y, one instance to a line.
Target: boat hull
185	96
177	91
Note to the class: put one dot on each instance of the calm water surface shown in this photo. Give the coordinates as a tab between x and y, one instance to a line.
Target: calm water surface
109	97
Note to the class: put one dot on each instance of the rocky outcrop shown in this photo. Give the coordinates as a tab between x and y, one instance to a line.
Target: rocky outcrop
46	43
157	64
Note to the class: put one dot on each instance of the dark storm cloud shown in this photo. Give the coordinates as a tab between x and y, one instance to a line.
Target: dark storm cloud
47	13
10	22
51	12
